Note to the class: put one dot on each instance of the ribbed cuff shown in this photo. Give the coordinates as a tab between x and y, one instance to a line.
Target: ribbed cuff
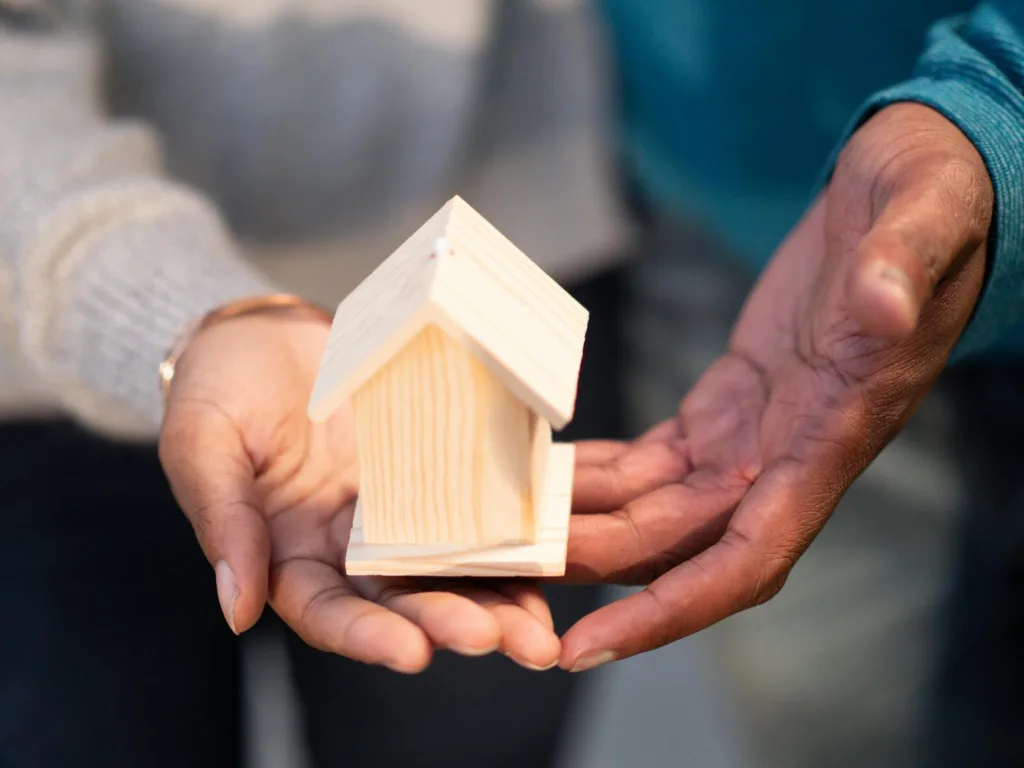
110	283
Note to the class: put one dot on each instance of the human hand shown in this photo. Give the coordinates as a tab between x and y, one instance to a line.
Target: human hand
271	497
840	340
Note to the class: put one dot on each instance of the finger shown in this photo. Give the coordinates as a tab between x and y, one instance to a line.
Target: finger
924	228
450	620
642	468
523	637
744	568
599	451
602	451
314	600
668	430
212	478
529	597
648	536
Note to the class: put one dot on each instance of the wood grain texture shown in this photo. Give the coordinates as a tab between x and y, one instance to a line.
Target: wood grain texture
378	319
459	355
540	457
484	292
544	558
445	450
515	318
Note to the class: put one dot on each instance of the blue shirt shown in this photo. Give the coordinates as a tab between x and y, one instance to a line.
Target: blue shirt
730	109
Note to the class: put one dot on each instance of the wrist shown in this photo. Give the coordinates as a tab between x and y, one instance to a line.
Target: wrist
265	304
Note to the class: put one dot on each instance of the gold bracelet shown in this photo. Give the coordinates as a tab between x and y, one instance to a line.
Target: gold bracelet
274	302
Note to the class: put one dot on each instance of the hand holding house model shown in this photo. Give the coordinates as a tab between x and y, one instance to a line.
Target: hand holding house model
459	355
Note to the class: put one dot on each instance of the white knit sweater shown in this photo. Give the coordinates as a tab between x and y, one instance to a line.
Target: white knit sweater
160	157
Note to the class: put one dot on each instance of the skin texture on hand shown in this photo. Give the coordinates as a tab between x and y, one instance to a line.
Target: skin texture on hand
271	498
838	343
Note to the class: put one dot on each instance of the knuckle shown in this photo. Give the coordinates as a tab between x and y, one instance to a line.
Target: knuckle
774	572
632	530
308	624
663	627
645	571
734	537
391	592
218	519
640	563
767	573
202	522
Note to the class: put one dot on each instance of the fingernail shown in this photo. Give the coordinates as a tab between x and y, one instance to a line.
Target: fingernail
592	660
530	666
896	277
538	668
227	591
403	668
468	650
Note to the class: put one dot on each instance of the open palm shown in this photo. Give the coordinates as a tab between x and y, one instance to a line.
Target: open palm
271	497
837	344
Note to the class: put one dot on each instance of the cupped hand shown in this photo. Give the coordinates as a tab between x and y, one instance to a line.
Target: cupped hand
840	340
271	498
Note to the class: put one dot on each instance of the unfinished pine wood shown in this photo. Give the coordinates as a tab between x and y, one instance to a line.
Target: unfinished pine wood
544	558
540	458
459	356
515	319
445	450
378	318
524	326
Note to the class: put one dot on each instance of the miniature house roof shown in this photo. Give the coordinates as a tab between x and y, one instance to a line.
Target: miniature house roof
459	272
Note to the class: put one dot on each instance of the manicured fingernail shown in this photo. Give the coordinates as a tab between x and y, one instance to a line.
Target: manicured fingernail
227	592
592	659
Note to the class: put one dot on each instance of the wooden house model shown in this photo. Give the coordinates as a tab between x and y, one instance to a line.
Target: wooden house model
459	356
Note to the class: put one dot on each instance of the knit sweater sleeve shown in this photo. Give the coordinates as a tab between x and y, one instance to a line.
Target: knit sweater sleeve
972	71
103	259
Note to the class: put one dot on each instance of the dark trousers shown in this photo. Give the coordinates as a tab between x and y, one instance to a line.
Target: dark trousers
113	651
977	716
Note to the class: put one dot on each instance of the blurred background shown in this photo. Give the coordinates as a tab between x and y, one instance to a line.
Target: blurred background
327	132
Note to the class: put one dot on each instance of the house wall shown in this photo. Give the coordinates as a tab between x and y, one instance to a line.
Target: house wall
446	452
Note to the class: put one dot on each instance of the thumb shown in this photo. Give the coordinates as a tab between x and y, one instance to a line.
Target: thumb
924	229
212	477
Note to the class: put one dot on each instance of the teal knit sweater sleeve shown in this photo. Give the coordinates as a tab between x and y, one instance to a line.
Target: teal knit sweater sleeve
972	72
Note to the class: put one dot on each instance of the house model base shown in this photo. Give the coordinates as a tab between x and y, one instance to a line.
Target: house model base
460	359
543	558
